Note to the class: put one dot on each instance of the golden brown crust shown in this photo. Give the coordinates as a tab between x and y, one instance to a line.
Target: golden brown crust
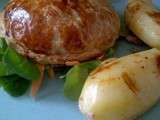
155	16
64	30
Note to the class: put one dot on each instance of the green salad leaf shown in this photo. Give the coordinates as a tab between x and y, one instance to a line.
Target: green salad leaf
16	71
14	85
5	71
110	52
76	77
3	46
21	65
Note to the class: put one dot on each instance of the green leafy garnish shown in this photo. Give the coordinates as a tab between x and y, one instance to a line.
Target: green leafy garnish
14	85
5	71
3	46
111	52
15	71
21	65
76	77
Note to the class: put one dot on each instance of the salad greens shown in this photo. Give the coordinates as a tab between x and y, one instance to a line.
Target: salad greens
22	66
3	46
5	71
76	77
16	71
110	52
14	85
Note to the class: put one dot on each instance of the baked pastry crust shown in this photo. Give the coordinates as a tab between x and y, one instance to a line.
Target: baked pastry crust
57	31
